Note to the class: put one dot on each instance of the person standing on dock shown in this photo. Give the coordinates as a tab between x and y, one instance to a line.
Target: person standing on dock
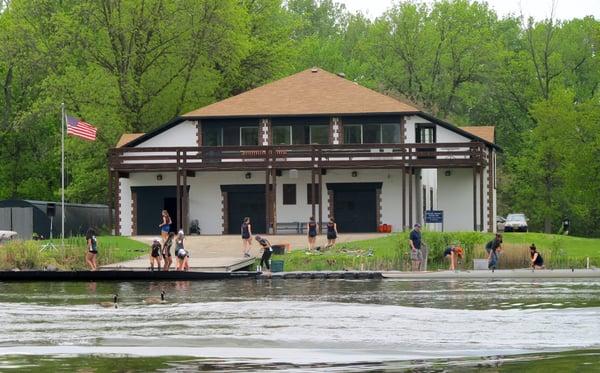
181	253
155	254
267	251
166	251
165	225
311	227
246	237
92	249
416	256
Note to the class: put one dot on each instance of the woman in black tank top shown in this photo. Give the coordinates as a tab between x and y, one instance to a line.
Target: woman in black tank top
311	227
537	262
331	233
246	237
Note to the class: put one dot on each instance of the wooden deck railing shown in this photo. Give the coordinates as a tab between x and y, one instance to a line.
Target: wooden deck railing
299	156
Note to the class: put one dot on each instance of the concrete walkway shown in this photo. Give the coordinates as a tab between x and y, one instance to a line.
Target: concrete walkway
497	274
224	253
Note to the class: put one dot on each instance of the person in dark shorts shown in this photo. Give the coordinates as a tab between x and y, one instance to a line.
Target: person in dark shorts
453	252
181	253
537	262
246	237
416	256
311	227
166	251
92	249
331	233
267	251
493	248
155	254
165	225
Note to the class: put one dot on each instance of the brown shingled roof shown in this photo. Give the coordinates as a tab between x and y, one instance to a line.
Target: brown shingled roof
485	132
127	138
312	91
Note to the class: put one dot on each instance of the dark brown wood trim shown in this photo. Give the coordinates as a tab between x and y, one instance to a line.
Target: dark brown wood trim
224	212
320	199
274	200
178	191
378	206
410	197
117	205
402	129
312	192
474	198
199	132
185	203
481	196
490	193
111	207
330	204
134	213
403	198
267	199
123	175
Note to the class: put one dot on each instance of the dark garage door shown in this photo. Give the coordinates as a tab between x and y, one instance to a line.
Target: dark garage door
355	207
242	201
150	203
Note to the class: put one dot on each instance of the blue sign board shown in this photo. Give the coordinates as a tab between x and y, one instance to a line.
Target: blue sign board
434	216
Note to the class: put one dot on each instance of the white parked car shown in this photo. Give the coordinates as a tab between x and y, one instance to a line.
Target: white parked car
500	223
515	223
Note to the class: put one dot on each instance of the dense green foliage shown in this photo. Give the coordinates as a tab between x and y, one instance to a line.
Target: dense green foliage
392	252
129	66
28	254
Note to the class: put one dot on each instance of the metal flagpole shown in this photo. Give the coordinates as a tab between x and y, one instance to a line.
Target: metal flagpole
62	171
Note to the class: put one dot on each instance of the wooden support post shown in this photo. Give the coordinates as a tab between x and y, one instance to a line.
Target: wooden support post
320	199
274	201
110	201
117	190
185	203
313	192
474	198
268	199
178	190
403	198
410	197
481	199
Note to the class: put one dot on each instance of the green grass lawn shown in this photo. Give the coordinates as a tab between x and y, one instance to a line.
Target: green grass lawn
392	253
28	254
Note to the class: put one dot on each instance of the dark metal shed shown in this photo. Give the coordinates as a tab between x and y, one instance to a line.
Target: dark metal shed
27	217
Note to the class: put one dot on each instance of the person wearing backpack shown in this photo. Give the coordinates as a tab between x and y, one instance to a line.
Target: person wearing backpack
493	248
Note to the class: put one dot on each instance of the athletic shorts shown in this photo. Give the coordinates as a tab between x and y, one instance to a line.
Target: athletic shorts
165	228
155	253
416	255
332	236
181	254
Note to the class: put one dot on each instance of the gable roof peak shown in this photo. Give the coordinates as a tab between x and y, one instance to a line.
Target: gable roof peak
313	91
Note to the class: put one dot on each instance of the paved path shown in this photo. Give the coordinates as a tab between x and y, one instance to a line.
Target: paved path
224	253
497	274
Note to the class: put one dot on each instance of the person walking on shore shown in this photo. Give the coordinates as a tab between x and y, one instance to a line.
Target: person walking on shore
416	256
267	251
331	233
312	233
92	249
246	237
493	248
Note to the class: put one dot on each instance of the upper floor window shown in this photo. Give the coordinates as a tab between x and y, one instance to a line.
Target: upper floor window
319	134
425	133
213	136
377	133
248	135
282	135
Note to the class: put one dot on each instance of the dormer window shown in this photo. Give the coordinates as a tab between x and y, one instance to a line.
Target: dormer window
425	133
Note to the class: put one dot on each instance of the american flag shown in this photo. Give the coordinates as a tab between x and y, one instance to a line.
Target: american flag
81	129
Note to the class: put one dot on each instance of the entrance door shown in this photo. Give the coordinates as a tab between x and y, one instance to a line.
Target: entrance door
242	201
151	200
355	206
170	204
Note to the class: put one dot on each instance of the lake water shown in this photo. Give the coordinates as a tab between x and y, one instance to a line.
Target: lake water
302	325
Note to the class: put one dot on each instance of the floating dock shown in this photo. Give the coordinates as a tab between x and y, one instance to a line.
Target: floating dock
123	275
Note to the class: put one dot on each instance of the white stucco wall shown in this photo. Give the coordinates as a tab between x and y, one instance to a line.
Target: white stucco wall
206	201
182	134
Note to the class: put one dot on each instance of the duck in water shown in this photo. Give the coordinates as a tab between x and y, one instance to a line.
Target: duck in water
156	300
112	304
